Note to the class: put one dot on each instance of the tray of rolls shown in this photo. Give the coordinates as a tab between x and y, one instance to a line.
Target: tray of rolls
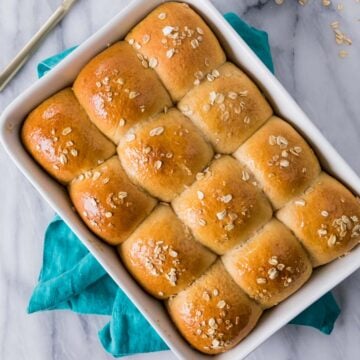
191	175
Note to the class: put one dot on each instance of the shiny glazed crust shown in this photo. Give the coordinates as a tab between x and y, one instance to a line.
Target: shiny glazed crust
281	160
61	138
180	45
326	219
176	110
228	108
214	314
162	254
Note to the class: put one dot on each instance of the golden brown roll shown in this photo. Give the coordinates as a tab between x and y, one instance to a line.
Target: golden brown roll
325	219
61	138
228	108
178	45
117	89
163	256
214	314
224	206
270	266
280	159
110	205
164	154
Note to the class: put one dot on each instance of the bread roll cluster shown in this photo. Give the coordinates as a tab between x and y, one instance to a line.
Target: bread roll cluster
173	155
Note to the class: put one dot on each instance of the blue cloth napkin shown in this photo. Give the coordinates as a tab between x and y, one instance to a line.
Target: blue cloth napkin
72	279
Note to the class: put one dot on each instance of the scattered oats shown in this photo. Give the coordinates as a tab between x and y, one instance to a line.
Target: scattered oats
232	95
157	164
173	253
247	119
221	304
326	2
202	222
146	39
69	143
343	54
272	140
162	16
245	175
66	131
74	152
170	53
108	214
261	280
194	43
322	232
201	175
98	84
300	202
122	195
284	163
335	24
332	240
156	131
206	296
56	167
160	293
273	261
324	213
106	180
200	31
96	175
215	292
167	30
340	7
229	227
133	94
221	215
122	122
279	2
226	198
200	195
130	137
63	159
273	273
212	322
153	63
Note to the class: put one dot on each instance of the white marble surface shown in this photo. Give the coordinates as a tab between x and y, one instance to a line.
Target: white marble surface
307	63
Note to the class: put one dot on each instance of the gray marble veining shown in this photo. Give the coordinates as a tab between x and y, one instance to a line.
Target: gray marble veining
306	62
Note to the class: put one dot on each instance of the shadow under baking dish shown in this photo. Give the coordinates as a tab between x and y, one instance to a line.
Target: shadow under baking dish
322	280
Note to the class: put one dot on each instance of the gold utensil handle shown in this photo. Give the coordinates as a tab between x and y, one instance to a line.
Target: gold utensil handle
21	58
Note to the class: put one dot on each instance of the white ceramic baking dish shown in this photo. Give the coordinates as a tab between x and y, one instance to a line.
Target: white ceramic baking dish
64	74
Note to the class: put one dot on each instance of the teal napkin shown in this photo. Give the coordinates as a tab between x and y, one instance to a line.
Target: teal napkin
72	279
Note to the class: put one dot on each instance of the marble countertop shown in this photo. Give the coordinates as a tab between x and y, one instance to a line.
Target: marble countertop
307	62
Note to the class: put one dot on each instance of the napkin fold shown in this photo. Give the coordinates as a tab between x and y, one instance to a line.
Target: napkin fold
71	278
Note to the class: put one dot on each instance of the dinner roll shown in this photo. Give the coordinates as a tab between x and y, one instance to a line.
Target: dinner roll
224	206
270	266
178	45
110	205
117	89
164	154
162	254
280	159
325	218
228	107
214	314
61	138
